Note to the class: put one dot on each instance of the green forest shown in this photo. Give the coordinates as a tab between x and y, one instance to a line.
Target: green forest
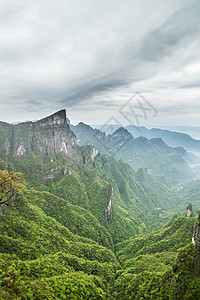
85	226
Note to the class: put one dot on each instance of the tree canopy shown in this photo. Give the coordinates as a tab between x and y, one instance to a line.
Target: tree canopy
11	188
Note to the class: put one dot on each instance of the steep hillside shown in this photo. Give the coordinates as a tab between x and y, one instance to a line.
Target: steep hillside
160	245
125	202
189	194
180	282
42	259
155	267
108	194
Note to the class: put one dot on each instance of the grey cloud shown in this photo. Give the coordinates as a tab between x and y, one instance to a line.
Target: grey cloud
155	46
85	92
66	54
181	26
189	84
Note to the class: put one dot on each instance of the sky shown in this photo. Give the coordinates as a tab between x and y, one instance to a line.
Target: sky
104	61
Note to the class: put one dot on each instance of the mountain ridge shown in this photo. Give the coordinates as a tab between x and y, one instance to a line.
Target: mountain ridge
171	137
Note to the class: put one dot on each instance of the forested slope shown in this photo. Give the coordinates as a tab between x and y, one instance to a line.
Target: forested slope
83	225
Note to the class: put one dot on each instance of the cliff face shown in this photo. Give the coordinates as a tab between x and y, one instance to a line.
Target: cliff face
51	134
196	236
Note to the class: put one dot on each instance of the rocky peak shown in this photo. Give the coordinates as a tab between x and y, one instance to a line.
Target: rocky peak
48	135
189	213
58	118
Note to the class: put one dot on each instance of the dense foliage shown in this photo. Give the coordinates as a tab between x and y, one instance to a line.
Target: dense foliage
11	189
91	227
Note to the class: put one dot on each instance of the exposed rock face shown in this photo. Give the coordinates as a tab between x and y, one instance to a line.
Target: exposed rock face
196	236
6	135
89	153
108	210
94	153
59	118
51	134
189	212
21	151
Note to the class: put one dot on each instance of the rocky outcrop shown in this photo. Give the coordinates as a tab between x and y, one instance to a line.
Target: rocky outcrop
88	154
94	153
49	135
6	135
189	213
196	236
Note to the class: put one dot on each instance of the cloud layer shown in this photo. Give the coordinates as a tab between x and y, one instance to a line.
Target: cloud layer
91	56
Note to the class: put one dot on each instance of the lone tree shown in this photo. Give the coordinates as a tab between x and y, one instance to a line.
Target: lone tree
11	189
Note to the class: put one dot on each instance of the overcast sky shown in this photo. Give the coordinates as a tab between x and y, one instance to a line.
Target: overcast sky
91	56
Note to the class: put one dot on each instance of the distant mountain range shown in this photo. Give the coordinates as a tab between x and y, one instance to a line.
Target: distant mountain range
193	131
171	138
140	152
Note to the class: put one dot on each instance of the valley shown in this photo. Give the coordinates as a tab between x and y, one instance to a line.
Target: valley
96	220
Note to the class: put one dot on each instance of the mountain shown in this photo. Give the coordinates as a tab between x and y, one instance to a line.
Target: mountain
49	135
113	198
79	228
171	138
161	160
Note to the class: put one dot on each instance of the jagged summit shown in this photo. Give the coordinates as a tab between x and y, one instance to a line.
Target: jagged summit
57	118
48	135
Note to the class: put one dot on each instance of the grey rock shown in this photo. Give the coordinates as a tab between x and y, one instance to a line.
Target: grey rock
196	236
49	135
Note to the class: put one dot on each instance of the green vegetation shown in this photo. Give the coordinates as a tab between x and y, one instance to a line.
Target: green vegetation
11	189
88	226
140	203
180	282
189	194
43	259
160	245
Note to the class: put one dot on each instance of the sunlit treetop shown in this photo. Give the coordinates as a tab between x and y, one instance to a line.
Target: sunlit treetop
12	186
